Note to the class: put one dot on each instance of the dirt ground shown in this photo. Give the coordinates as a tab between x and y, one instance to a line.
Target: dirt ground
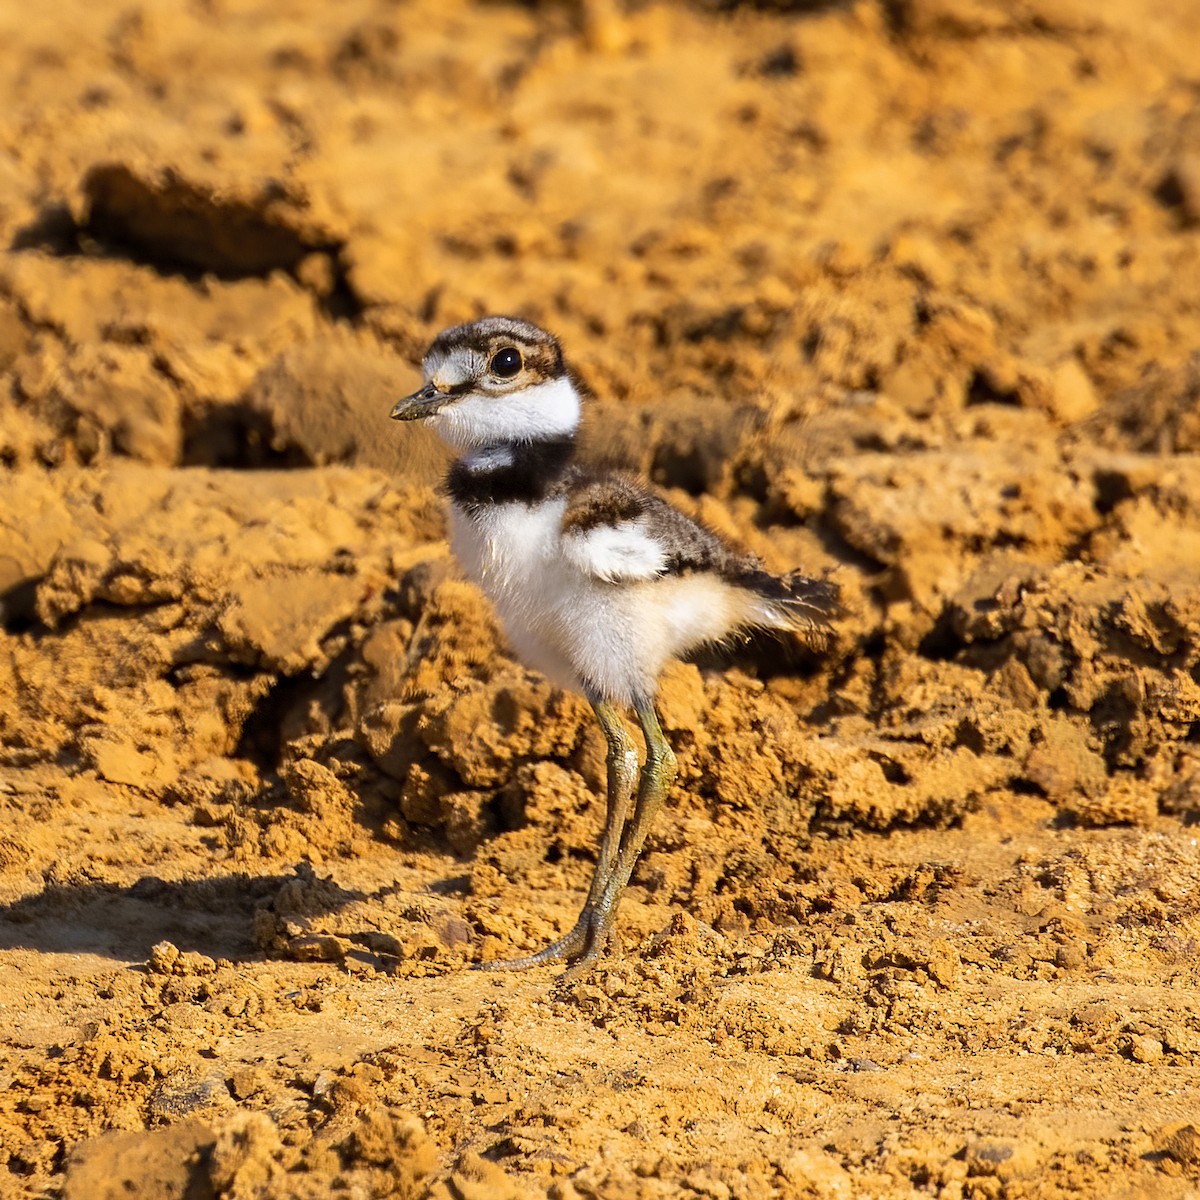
905	292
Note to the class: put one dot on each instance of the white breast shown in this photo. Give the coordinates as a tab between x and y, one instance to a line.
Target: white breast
504	547
512	551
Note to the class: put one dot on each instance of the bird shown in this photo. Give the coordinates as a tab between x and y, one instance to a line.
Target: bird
597	579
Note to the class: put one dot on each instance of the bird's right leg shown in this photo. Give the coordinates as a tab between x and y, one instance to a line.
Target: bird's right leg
657	777
622	762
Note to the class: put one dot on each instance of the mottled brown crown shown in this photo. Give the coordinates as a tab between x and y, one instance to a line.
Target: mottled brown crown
541	352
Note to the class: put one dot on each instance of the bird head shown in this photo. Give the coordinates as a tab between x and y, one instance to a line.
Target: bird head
498	380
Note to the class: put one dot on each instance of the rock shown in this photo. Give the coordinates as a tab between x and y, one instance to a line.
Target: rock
1179	1140
1071	956
1000	1157
943	962
162	959
1145	1049
180	1095
247	1081
167	959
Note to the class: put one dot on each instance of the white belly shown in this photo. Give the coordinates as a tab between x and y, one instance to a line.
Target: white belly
608	640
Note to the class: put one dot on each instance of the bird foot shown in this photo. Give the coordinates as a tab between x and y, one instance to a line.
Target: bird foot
582	947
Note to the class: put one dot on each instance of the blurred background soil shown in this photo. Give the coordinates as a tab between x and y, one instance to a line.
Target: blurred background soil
902	291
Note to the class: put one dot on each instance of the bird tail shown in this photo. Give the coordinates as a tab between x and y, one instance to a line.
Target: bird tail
793	603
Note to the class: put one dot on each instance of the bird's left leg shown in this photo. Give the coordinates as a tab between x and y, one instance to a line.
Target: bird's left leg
622	762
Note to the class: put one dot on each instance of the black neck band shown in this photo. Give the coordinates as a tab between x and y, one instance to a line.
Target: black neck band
536	471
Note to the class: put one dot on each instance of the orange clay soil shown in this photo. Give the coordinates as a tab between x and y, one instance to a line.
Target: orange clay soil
902	291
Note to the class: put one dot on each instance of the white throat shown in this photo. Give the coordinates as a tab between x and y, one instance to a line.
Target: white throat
543	412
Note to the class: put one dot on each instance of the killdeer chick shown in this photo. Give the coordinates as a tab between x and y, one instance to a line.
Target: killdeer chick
598	580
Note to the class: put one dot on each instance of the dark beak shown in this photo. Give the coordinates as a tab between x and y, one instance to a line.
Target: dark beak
420	404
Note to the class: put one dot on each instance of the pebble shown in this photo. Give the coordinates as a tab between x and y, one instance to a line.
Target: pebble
863	1064
246	1081
1180	1141
178	1096
1070	957
1001	1157
163	957
1145	1049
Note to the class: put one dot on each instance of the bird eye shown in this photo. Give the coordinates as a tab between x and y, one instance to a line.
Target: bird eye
506	363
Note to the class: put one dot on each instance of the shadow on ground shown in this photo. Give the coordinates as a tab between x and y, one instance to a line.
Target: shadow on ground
212	916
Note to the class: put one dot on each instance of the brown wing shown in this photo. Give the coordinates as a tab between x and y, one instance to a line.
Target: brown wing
617	501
